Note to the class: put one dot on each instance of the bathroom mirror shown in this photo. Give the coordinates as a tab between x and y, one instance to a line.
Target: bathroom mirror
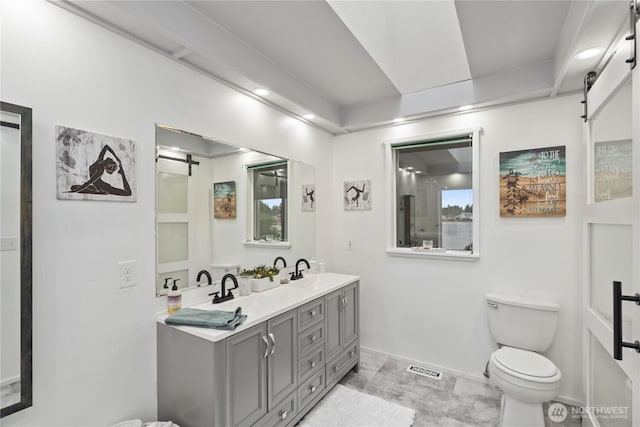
15	264
221	208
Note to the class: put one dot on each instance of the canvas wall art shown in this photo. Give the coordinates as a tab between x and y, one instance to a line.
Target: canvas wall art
308	197
533	183
224	200
92	166
357	195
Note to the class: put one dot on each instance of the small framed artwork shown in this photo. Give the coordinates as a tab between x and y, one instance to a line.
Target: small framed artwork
91	166
224	200
533	183
308	197
357	195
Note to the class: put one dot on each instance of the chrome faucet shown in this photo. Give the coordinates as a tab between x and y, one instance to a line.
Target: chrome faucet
298	274
216	295
206	273
284	261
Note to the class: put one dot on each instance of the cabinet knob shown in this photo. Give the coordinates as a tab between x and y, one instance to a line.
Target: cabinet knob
313	338
313	363
351	354
335	368
312	313
283	415
312	388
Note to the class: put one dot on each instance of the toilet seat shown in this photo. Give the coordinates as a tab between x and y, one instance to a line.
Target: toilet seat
526	365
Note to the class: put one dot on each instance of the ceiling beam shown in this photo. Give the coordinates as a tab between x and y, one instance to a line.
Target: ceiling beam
508	86
234	60
580	12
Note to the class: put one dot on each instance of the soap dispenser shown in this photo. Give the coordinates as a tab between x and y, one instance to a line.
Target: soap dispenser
174	298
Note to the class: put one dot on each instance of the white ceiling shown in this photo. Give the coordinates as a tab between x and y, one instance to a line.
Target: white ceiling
358	64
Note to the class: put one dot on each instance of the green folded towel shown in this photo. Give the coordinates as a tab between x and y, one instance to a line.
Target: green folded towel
216	319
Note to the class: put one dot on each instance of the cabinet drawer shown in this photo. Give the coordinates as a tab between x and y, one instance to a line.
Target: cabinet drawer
281	414
338	365
310	339
311	363
311	388
310	314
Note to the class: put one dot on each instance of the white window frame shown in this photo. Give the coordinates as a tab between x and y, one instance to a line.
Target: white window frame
391	197
250	224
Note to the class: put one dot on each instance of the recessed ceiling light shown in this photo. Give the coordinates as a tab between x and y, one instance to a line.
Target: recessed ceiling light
398	120
409	168
309	116
465	107
589	53
418	171
261	92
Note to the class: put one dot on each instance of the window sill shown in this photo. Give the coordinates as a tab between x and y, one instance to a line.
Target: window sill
265	244
426	254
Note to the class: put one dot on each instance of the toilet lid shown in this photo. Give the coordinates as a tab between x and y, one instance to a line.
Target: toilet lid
525	362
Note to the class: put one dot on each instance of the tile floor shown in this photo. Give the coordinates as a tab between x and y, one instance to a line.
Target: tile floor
452	401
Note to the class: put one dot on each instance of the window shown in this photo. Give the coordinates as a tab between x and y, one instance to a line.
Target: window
269	201
435	194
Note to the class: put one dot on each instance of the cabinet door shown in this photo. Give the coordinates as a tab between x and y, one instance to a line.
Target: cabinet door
283	358
334	331
247	354
350	314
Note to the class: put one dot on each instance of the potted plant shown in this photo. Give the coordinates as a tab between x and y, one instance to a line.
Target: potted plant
244	279
263	278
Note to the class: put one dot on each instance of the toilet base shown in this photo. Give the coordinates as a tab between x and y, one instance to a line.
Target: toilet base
514	413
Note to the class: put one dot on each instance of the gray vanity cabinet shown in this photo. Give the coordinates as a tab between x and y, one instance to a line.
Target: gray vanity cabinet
342	319
262	369
269	375
246	382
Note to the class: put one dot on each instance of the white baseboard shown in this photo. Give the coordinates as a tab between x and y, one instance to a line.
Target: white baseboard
8	381
479	378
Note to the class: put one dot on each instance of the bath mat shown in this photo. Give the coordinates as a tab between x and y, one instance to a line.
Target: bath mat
346	407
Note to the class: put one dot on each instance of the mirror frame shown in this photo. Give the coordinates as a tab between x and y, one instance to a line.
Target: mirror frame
26	272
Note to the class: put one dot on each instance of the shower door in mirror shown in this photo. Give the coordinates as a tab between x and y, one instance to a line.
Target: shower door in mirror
612	239
181	251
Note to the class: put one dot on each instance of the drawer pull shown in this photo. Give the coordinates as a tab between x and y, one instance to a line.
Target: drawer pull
283	415
312	388
313	338
313	363
312	313
351	354
335	368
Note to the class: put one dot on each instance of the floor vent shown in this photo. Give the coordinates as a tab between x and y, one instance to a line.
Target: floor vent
425	372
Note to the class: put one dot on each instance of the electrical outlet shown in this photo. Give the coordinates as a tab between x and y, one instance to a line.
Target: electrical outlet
127	271
350	245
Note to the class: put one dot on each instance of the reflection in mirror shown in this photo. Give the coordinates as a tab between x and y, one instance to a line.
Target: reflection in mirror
15	261
220	208
611	129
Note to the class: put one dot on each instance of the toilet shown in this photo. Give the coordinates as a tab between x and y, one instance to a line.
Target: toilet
523	327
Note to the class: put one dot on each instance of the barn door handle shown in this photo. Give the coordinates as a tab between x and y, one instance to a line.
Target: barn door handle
618	344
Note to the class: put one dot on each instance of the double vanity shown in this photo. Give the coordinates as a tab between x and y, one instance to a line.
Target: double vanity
297	342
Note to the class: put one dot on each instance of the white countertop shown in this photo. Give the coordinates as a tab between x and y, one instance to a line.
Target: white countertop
261	306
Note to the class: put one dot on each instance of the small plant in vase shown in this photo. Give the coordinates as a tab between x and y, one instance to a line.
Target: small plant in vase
244	277
262	271
259	282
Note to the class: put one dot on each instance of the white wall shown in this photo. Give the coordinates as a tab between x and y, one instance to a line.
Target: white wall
433	310
94	344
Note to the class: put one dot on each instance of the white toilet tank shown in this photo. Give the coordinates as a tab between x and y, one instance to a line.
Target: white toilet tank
522	322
